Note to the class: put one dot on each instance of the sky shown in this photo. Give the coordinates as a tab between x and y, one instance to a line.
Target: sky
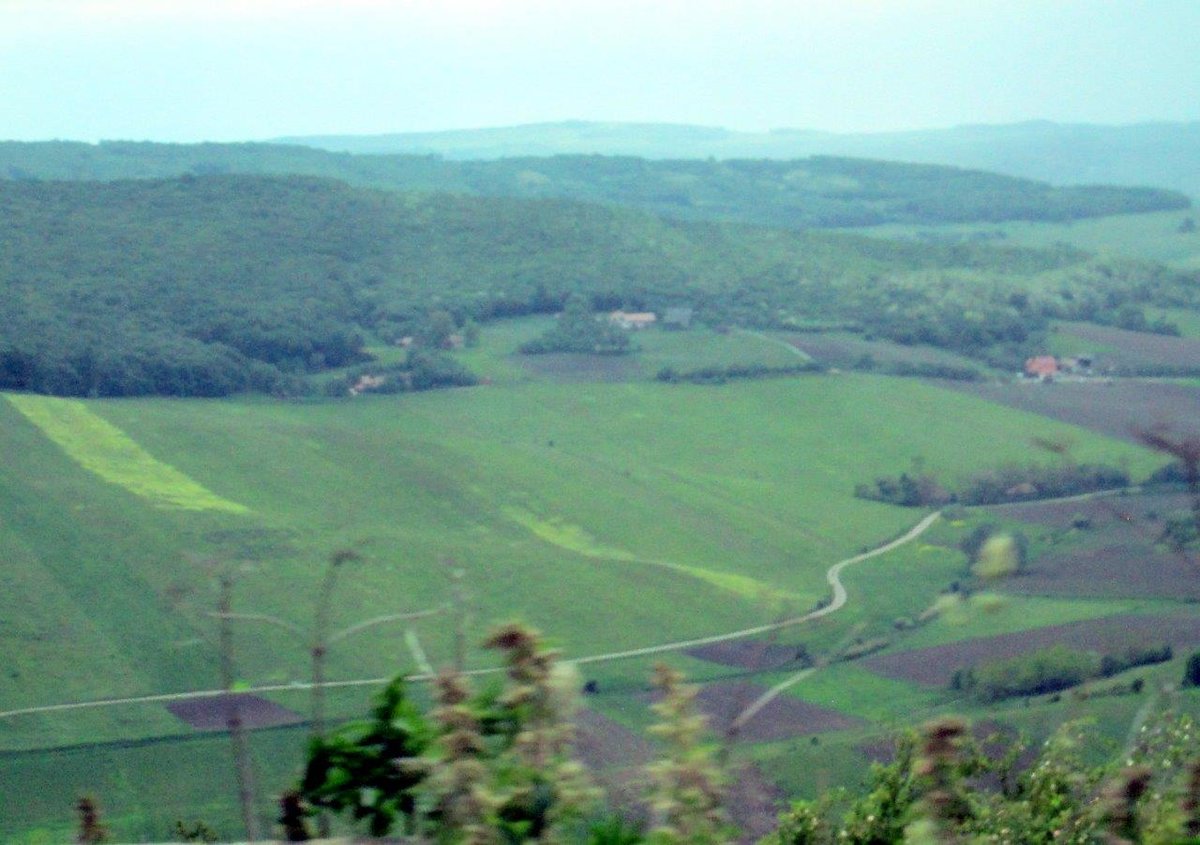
227	70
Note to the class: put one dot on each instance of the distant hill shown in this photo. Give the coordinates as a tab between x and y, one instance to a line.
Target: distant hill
820	191
208	285
1165	155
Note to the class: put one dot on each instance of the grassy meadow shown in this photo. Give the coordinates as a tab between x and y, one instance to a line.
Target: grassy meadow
612	513
1156	236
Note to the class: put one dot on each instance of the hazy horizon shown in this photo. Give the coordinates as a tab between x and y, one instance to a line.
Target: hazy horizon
221	70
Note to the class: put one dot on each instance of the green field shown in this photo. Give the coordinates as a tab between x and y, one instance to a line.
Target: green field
610	514
496	358
710	495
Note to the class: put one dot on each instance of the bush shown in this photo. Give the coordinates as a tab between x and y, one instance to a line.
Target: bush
1113	664
1191	672
1022	483
1053	669
992	553
720	375
1048	670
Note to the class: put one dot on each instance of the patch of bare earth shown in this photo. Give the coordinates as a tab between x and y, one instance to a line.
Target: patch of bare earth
1136	512
752	654
572	367
1105	547
1111	570
785	716
1125	349
753	803
603	743
213	713
617	757
935	666
1117	408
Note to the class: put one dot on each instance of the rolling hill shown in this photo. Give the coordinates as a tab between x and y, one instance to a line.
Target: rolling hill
1160	154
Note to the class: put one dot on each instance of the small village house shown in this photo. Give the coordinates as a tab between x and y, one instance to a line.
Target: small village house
1041	367
633	320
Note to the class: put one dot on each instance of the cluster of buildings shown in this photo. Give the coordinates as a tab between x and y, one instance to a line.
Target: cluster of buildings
673	318
1049	368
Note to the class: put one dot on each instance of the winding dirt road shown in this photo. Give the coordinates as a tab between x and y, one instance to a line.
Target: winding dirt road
833	575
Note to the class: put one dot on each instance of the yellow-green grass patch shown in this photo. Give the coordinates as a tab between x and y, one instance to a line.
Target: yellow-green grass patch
574	538
100	447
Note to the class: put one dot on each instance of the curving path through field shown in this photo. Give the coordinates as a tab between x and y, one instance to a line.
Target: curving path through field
833	575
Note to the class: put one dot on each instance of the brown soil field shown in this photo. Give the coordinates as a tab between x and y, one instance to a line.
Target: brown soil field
935	666
212	714
1137	514
750	654
616	757
753	803
603	743
1115	556
571	367
1120	348
784	717
1111	570
1117	409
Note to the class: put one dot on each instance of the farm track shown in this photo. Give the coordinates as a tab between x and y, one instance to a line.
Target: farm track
832	576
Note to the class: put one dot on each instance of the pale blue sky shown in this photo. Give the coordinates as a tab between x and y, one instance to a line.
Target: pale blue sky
187	70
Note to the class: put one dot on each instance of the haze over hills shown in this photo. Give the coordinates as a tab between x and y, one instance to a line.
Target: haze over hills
819	191
1161	154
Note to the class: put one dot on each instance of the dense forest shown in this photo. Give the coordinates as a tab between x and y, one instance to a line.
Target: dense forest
209	285
820	191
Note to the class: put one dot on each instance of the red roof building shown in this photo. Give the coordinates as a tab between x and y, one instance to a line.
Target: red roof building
1042	366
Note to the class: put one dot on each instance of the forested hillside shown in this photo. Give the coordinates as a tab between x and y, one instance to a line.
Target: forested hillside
819	191
219	284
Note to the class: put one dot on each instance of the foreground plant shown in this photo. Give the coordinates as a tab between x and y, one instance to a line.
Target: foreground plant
543	789
687	788
371	771
462	802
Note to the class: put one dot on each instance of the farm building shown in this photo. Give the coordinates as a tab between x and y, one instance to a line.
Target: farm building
1043	367
633	319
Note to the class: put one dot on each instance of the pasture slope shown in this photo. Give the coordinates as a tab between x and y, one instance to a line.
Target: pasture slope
612	515
1157	236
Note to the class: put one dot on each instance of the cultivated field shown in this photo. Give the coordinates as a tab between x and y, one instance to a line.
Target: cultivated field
1106	547
1120	349
1115	409
846	350
935	666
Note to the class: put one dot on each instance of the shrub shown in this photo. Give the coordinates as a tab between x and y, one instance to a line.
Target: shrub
1191	672
1048	670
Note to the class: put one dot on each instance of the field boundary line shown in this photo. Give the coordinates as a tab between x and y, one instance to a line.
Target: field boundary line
832	577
